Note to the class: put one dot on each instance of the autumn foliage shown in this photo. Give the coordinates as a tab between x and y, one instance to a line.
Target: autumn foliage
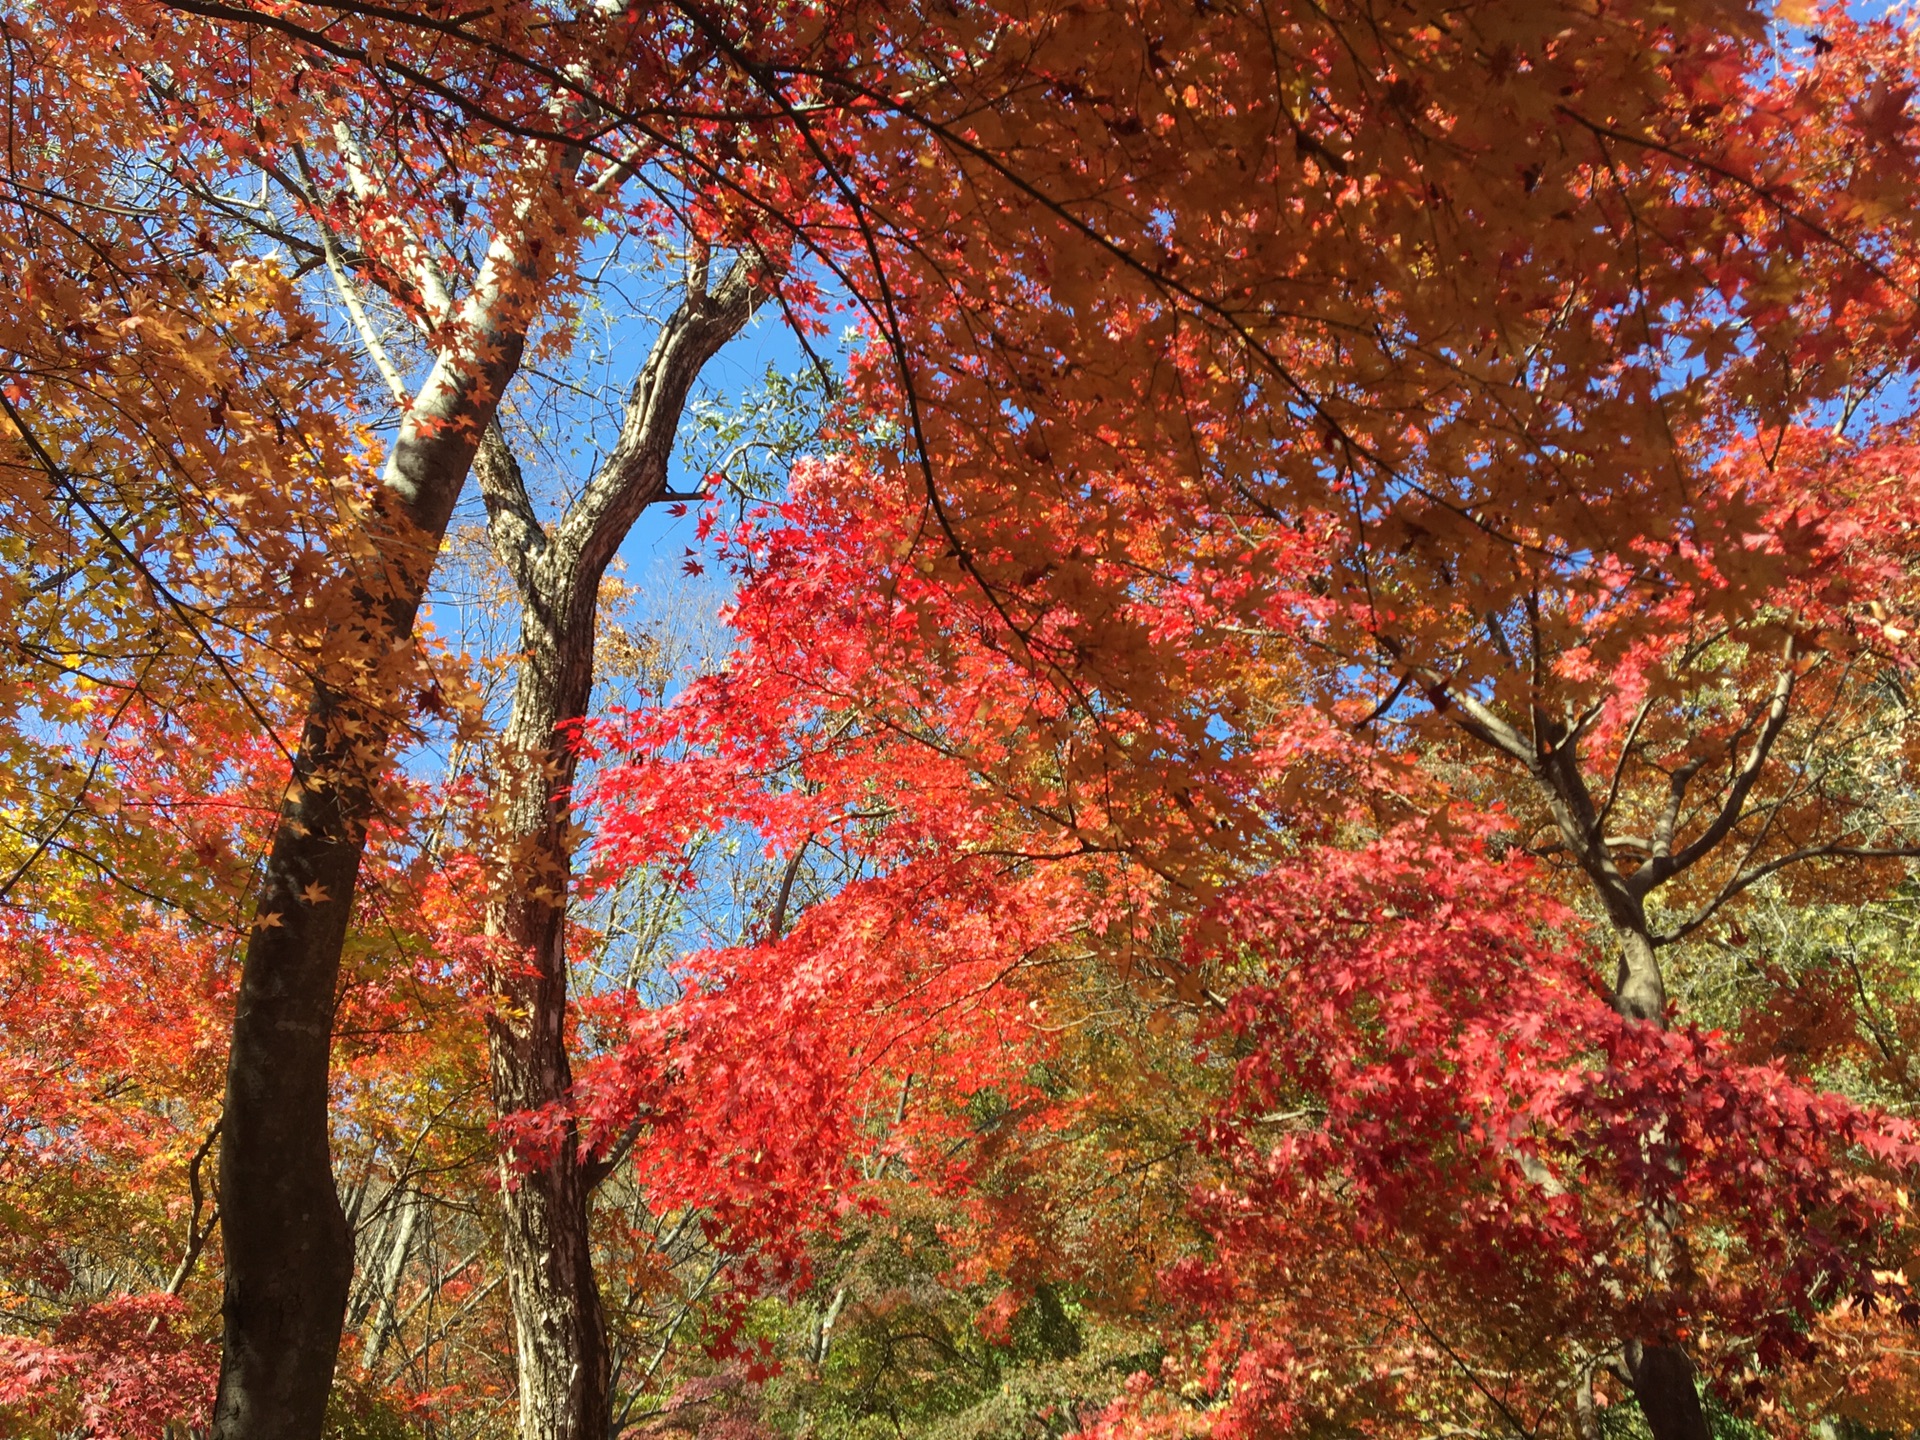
1300	821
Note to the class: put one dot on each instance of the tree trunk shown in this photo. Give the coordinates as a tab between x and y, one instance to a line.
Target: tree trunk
1586	1414
1639	991
1663	1383
560	1332
387	1301
1659	1371
1548	747
1661	1375
545	1192
289	1256
547	1186
546	1196
289	1253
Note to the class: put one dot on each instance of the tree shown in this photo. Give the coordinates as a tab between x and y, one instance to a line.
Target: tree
158	446
1433	475
386	146
564	1365
1487	1216
1441	359
1389	997
120	987
393	140
1435	392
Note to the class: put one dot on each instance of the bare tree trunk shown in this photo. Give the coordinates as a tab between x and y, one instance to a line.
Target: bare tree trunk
1663	1383
385	1308
547	1191
289	1252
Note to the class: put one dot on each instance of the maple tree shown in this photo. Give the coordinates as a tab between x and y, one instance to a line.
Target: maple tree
906	686
1498	414
1446	458
1789	1216
1082	591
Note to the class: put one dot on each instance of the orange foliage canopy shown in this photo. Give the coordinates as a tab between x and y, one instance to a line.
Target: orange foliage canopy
1238	371
1496	357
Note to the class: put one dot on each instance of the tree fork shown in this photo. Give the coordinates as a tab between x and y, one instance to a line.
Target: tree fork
1659	1372
564	1361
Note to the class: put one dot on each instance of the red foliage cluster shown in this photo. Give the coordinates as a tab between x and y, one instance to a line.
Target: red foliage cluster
124	1369
1443	1149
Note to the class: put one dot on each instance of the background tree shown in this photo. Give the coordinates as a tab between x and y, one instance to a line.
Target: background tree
564	1371
397	143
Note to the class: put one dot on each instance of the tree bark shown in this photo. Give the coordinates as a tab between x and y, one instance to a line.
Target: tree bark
1639	989
1663	1383
547	1189
1586	1414
289	1256
289	1252
546	1197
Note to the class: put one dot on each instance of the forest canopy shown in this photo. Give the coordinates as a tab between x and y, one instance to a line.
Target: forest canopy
816	718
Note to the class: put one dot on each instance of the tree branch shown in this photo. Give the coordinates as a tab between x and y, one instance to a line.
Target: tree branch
1480	721
1663	828
779	920
1664	866
1748	878
197	1234
369	337
1620	765
634	474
